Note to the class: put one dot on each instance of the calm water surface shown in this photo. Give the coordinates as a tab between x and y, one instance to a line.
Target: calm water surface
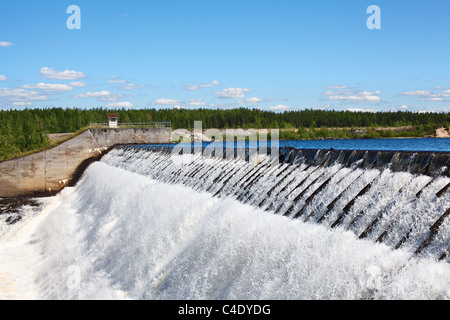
416	144
407	144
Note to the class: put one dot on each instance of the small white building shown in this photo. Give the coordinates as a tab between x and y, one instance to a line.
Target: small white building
112	119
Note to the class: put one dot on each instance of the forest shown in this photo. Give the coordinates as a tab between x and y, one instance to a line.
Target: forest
26	130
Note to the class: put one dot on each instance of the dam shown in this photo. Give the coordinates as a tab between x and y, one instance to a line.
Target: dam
162	222
400	199
49	171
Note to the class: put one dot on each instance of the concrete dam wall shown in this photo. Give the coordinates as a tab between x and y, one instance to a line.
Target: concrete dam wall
49	171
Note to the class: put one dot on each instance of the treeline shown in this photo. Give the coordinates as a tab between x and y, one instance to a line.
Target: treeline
254	118
21	131
356	133
28	129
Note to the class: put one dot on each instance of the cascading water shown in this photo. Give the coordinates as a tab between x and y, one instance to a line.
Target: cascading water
150	223
397	198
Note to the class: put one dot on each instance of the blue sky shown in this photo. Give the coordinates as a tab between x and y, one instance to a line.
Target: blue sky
273	55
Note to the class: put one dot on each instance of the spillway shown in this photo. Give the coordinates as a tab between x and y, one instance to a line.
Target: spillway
157	222
400	199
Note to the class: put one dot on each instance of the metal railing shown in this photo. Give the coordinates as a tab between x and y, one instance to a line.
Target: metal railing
159	124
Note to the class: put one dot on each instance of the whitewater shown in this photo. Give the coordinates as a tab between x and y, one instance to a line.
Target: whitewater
119	234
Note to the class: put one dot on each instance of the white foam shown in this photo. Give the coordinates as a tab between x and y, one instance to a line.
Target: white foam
120	235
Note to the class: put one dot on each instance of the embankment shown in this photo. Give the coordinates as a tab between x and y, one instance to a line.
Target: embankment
47	172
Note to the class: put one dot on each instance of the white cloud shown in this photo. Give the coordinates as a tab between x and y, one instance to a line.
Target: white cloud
232	93
50	73
78	84
164	101
21	104
101	95
368	98
5	44
416	93
446	110
49	87
89	94
132	86
335	87
323	107
197	102
253	100
360	110
342	93
117	81
280	107
403	107
123	104
21	95
126	85
211	84
195	87
192	87
425	95
3	78
433	98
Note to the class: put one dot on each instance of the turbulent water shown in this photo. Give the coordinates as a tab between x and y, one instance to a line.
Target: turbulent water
146	224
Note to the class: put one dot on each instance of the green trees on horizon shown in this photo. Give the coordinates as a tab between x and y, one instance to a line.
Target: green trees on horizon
19	132
28	129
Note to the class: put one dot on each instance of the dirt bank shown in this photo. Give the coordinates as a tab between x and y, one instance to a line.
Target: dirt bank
442	133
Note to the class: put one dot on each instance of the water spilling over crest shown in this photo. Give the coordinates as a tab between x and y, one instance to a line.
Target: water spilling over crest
150	223
397	198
